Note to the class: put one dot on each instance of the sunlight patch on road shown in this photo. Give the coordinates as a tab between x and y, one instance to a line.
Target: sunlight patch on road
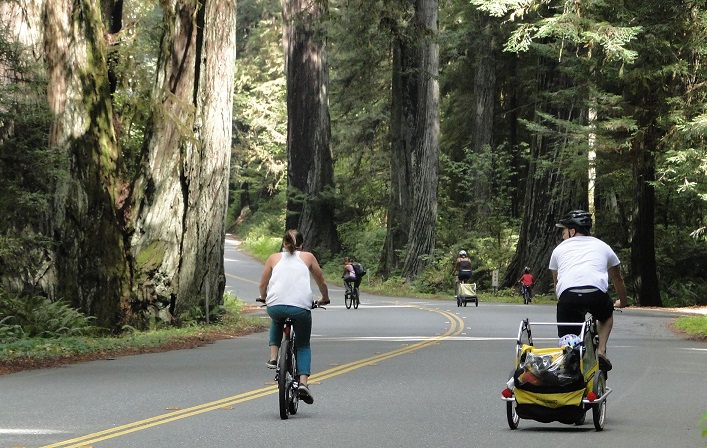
28	431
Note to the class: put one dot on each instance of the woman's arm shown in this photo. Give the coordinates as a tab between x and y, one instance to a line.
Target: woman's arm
267	273
318	275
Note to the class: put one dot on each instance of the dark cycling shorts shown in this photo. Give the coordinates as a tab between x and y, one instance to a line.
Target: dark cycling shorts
575	303
464	275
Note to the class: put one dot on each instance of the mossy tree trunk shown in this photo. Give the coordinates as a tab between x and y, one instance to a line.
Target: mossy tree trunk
90	264
179	200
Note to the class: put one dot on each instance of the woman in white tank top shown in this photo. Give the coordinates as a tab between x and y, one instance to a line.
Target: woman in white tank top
285	285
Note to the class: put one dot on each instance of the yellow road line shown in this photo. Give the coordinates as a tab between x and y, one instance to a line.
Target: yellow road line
243	279
455	328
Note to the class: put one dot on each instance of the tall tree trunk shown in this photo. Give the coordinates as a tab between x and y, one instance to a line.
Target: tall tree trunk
412	211
483	113
310	171
180	197
401	175
643	261
425	150
90	261
551	188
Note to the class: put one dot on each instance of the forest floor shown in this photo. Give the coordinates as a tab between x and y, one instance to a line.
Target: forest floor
185	342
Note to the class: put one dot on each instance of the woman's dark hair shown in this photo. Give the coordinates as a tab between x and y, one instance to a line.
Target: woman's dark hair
292	240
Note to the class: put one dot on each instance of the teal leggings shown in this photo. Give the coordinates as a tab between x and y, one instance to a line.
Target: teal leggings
303	331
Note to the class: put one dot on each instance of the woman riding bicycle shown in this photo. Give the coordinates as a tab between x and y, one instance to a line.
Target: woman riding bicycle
285	285
349	275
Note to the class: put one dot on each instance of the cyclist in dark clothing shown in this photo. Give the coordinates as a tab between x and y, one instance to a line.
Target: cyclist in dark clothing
462	267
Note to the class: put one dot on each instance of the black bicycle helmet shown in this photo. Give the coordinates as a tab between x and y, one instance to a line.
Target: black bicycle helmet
576	219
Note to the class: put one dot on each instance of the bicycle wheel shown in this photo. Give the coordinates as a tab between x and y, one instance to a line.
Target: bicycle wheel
348	300
283	379
355	300
293	393
599	410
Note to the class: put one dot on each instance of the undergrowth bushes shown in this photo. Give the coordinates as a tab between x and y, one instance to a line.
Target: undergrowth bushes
34	316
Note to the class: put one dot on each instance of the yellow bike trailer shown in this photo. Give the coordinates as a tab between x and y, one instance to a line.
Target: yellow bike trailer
557	384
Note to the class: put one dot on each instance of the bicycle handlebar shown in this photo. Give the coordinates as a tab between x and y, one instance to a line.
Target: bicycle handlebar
315	304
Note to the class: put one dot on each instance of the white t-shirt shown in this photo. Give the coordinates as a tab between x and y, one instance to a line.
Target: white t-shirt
582	261
289	283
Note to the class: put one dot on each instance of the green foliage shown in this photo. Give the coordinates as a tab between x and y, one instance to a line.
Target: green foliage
61	345
132	59
259	157
29	171
693	325
24	317
682	263
573	24
362	241
262	246
228	311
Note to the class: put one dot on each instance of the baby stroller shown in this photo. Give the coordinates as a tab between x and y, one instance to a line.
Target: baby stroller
466	292
557	384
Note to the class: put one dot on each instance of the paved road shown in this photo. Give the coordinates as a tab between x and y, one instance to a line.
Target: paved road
396	373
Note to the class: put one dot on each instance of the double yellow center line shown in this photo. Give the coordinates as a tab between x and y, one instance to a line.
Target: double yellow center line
456	326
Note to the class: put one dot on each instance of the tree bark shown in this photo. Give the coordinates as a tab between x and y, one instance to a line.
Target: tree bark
310	171
425	149
412	210
90	262
551	188
180	197
401	170
643	262
483	113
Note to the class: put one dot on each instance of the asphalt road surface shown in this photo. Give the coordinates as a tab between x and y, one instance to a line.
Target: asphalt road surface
397	372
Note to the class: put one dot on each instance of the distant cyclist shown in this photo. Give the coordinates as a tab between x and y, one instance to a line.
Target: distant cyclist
581	267
462	267
526	281
349	275
285	285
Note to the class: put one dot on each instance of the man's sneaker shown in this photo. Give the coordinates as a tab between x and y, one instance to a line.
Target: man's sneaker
304	394
272	364
604	363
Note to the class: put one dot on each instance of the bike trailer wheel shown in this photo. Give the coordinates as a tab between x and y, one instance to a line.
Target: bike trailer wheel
599	410
511	415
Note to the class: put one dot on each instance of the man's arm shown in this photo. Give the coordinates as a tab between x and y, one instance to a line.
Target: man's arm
619	286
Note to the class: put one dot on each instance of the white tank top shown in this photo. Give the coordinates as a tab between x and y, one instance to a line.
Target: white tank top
289	283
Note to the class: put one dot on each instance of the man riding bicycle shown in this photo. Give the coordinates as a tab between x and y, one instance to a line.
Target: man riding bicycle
581	268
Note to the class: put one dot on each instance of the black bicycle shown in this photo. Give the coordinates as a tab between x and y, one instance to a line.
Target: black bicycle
351	296
286	372
525	292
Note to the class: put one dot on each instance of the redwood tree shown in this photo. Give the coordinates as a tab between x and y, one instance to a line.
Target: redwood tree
179	200
127	249
310	167
412	212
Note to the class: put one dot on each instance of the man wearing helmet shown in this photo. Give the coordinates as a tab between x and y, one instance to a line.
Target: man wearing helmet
581	268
